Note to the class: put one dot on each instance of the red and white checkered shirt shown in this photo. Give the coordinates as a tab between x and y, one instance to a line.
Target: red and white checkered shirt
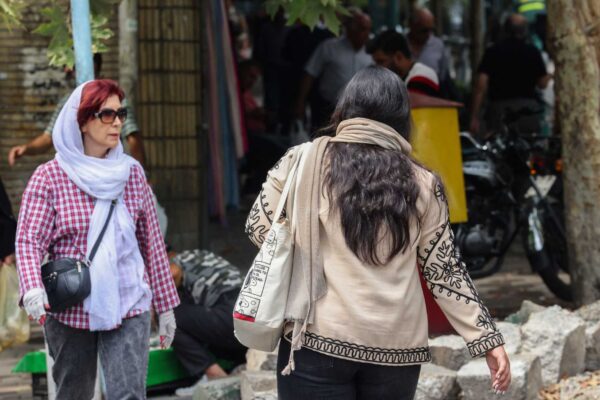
54	219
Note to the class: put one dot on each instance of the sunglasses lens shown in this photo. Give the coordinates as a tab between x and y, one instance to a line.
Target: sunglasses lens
109	116
122	114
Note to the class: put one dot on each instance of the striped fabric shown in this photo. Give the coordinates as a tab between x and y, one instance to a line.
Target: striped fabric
423	79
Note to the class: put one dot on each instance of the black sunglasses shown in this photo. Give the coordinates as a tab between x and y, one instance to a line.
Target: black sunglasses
108	115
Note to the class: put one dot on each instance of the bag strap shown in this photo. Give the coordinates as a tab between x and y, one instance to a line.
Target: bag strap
113	203
291	179
299	170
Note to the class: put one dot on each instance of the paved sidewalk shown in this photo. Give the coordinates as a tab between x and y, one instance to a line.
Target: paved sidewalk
18	386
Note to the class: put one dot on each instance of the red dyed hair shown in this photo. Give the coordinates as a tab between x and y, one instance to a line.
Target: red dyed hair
94	94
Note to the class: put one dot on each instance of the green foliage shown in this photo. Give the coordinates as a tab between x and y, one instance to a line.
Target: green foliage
310	11
60	49
11	12
60	30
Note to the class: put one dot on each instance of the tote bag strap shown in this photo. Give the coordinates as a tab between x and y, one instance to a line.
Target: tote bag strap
291	180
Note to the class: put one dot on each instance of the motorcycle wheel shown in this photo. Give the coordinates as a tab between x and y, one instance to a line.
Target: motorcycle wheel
548	269
556	242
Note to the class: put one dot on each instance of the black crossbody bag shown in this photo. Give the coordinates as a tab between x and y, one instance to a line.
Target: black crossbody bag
67	280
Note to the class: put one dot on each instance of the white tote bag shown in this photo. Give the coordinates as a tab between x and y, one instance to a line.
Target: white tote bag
258	316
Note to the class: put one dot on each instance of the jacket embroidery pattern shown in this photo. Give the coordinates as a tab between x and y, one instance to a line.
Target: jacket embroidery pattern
446	274
356	352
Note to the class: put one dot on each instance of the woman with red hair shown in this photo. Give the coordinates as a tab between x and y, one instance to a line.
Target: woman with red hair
92	203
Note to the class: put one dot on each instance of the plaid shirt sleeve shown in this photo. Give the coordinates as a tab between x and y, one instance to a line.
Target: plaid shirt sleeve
36	219
154	252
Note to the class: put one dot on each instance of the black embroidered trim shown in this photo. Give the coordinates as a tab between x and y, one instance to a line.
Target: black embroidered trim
485	343
361	353
255	231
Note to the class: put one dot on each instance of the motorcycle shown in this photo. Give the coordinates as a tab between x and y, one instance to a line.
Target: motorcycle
514	187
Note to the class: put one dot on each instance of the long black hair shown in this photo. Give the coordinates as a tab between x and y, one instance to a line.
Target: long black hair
375	190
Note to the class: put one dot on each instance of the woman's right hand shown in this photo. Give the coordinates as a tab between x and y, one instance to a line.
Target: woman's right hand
499	366
36	303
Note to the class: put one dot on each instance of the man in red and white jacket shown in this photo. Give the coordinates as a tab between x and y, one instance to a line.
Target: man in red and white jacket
390	49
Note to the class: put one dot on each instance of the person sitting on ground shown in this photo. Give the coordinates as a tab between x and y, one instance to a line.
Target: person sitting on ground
390	49
208	286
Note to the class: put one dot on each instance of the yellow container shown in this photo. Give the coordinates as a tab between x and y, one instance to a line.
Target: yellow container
436	143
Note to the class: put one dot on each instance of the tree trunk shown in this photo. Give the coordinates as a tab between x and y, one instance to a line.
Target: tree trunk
128	48
573	28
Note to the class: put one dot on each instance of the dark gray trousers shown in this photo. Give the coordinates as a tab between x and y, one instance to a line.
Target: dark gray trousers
123	355
204	333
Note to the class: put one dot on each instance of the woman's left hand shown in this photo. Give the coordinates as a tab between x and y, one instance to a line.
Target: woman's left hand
499	366
166	328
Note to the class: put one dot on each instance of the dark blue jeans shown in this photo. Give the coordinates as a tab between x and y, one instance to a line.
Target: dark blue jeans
321	377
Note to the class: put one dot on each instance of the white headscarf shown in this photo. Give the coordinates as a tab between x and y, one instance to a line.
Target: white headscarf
117	268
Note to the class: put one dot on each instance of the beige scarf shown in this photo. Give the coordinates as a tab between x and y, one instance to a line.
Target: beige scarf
308	279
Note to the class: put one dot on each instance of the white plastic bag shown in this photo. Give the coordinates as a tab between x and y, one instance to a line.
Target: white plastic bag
14	325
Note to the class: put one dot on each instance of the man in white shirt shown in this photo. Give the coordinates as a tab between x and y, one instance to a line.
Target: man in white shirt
390	49
333	63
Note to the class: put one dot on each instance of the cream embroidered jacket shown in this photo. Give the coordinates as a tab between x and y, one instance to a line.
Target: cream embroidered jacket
377	314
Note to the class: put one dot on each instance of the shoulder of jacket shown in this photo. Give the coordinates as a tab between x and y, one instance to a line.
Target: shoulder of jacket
428	181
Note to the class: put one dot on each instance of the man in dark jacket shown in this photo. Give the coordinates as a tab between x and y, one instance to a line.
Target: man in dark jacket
509	73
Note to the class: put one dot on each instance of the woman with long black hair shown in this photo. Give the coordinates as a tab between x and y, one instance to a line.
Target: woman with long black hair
370	219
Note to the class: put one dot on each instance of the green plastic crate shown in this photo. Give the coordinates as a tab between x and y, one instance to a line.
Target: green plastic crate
163	366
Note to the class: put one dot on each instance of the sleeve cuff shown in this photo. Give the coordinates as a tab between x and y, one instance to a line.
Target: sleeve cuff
164	306
479	347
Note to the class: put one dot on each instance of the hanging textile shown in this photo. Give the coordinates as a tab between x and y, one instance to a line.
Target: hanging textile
226	136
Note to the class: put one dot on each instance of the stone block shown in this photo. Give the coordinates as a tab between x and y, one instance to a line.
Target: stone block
526	369
257	360
522	316
270	395
258	384
589	312
557	336
512	336
437	383
219	389
592	346
449	351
